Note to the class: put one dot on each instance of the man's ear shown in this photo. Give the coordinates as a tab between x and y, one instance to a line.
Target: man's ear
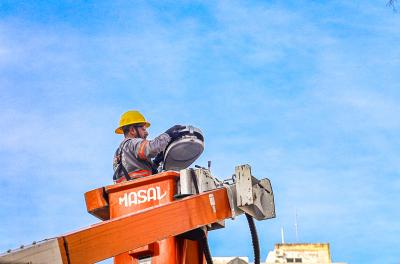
132	131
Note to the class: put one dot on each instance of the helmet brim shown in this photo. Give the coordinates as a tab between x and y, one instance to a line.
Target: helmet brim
120	131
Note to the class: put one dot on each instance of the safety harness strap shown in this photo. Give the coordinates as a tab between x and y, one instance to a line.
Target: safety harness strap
120	166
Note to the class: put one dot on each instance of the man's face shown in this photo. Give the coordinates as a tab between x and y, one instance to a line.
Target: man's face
141	128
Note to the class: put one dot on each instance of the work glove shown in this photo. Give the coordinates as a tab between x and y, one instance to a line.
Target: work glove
173	132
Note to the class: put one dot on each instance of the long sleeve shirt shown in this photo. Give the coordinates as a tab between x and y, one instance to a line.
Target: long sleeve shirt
136	155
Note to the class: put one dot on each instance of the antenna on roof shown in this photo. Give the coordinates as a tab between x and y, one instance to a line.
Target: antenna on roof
282	235
296	226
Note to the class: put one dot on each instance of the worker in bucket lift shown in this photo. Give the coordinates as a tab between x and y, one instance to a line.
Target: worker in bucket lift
133	157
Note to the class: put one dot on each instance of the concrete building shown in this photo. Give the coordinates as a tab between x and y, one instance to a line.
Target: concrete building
306	253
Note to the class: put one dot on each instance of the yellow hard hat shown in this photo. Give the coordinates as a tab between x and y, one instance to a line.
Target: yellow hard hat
130	118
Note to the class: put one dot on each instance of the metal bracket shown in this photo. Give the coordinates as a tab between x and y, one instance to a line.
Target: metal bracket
243	185
246	193
204	181
254	197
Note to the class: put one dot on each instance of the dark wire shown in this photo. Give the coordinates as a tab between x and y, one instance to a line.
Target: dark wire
200	235
206	249
254	239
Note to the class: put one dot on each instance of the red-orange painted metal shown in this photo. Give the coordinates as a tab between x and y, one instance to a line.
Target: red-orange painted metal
142	194
135	230
145	221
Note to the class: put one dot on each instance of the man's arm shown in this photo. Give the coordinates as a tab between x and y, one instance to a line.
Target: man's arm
147	149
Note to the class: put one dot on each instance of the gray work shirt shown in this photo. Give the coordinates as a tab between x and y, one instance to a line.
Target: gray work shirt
137	154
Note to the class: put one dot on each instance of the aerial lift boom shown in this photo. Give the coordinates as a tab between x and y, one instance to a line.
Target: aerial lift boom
153	219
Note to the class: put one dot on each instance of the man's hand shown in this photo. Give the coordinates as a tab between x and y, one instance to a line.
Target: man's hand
173	132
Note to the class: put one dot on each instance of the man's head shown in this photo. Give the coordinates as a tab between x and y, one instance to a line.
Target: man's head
135	131
133	124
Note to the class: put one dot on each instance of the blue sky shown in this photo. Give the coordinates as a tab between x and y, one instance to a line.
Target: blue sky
306	92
